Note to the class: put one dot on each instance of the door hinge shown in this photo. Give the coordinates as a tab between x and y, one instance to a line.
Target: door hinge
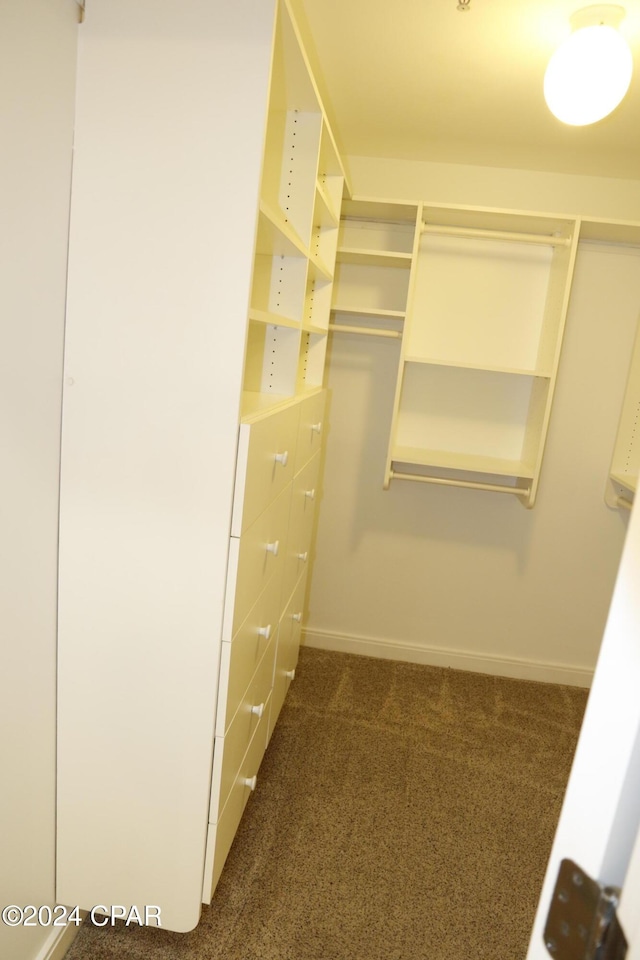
582	923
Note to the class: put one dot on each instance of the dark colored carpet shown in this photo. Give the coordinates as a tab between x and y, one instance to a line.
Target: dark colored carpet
403	812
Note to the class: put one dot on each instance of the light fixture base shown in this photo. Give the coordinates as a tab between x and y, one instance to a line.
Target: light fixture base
607	14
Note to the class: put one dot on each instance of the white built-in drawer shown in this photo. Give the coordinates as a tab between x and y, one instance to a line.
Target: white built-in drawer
240	658
287	649
220	835
254	558
304	501
265	464
231	748
311	428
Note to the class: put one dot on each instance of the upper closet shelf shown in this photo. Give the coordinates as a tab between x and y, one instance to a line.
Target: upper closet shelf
275	319
473	233
378	258
369	312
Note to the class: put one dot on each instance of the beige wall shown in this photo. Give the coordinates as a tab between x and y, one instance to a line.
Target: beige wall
37	77
467	578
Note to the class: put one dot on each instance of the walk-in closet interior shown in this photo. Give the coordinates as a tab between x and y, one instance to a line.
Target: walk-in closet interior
348	362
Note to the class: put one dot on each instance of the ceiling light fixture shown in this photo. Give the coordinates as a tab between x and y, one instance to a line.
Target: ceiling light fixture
589	74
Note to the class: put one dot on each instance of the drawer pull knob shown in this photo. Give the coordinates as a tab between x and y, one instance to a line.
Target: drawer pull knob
311	494
297	617
290	674
265	631
282	458
273	547
258	709
302	556
316	427
249	782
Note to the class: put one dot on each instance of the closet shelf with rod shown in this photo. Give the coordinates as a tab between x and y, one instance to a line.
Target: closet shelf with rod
480	349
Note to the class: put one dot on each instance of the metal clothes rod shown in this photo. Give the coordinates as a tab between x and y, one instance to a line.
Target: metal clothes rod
471	484
624	503
368	331
495	235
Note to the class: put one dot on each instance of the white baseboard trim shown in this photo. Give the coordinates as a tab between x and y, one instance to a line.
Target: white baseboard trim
57	943
513	667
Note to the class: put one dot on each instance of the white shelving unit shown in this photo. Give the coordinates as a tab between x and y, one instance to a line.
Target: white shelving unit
625	462
197	326
281	433
301	192
480	349
376	250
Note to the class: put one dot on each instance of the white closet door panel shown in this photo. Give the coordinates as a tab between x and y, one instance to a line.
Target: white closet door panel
162	227
266	457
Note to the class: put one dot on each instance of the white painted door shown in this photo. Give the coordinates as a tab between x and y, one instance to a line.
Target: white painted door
600	816
629	911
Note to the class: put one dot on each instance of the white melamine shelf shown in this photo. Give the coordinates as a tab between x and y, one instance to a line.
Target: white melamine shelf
462	462
378	258
626	480
369	312
273	319
312	328
366	331
487	368
319	269
387	211
276	237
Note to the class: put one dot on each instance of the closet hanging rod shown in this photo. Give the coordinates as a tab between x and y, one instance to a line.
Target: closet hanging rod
624	503
469	484
472	232
368	331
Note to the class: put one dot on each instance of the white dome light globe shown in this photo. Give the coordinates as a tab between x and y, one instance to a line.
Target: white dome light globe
588	75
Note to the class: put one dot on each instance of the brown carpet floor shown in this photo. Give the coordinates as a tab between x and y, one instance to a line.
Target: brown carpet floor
403	812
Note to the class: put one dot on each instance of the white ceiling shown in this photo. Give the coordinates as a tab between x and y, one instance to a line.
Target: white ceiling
420	80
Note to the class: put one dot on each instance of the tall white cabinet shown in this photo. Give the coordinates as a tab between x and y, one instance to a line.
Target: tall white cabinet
202	239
